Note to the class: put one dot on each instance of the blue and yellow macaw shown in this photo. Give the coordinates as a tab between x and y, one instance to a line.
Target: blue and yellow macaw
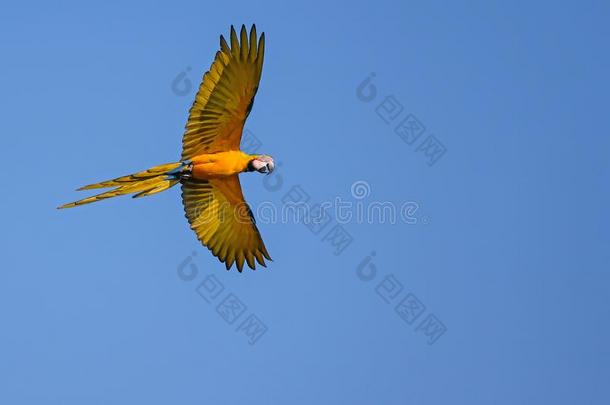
211	159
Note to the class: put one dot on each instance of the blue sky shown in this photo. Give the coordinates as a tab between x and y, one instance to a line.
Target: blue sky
506	264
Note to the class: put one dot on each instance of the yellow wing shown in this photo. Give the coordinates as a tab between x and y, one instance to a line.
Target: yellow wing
223	222
225	96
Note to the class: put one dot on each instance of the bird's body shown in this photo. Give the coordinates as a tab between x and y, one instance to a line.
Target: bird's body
211	159
216	165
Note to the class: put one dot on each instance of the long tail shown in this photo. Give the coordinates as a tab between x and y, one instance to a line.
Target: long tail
148	182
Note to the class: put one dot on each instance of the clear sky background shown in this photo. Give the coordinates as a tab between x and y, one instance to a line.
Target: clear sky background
509	253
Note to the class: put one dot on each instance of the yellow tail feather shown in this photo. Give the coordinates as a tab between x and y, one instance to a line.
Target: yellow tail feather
145	183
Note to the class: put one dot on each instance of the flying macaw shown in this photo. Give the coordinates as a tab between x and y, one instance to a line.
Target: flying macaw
211	159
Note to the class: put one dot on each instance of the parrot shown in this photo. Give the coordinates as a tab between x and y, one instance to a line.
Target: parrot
211	160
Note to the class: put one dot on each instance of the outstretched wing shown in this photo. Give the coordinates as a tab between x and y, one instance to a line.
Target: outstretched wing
223	222
225	96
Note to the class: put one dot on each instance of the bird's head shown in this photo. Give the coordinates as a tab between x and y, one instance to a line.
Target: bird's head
261	164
